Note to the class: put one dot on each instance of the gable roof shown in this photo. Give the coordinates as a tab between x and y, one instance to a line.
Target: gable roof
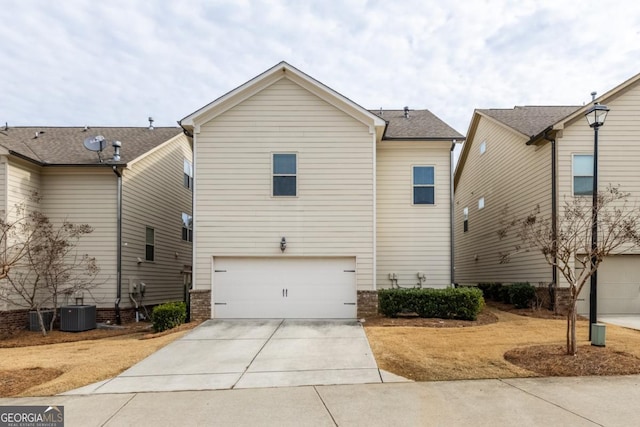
421	124
282	70
63	146
603	99
529	120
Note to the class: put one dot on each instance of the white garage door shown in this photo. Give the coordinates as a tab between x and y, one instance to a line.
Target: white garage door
618	286
267	288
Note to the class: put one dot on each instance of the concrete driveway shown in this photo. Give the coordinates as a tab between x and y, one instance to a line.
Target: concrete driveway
631	321
234	354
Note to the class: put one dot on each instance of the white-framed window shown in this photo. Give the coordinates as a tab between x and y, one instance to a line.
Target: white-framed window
481	203
284	175
483	147
582	174
187	227
424	185
150	244
188	174
465	217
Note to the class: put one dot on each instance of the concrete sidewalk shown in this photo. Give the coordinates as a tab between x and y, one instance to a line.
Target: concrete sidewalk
581	401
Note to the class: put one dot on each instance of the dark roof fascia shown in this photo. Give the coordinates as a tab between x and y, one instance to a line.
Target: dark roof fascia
535	138
66	165
84	165
430	138
384	132
26	158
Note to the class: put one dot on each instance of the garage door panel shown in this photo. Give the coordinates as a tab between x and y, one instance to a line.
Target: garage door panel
284	287
618	286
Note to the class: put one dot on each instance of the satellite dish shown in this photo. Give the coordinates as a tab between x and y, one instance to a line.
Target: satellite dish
95	143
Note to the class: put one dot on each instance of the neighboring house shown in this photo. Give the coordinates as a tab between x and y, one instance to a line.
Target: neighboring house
156	200
305	202
513	157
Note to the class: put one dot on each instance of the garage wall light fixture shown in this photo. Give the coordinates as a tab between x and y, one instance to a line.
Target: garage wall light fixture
283	244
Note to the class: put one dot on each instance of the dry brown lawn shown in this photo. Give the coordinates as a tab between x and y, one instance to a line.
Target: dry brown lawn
419	349
455	353
43	370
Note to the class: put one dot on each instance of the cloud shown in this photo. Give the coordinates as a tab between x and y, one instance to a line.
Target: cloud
115	63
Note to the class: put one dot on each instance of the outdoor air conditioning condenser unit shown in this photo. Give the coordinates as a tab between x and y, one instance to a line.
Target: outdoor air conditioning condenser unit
77	318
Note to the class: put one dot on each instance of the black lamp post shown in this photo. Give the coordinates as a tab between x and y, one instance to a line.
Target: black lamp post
596	116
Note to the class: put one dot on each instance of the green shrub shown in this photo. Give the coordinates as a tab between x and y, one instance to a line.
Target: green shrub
168	315
450	303
486	289
490	290
522	294
503	294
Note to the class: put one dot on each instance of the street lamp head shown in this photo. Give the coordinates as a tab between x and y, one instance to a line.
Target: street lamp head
596	115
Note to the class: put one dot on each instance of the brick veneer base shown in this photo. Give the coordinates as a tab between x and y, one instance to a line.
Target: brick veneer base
563	300
200	304
15	320
367	303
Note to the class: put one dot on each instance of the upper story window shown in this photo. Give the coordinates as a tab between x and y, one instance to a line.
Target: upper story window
481	203
424	185
285	174
187	227
582	174
150	244
483	147
465	216
188	174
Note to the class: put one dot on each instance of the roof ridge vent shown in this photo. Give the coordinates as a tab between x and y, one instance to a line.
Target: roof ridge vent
151	123
406	112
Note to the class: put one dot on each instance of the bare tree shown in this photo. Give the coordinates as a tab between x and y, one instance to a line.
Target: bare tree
17	228
569	248
40	262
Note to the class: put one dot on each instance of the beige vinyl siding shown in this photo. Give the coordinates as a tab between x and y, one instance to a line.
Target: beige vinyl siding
412	238
509	173
23	181
4	206
332	214
20	180
618	149
87	196
154	196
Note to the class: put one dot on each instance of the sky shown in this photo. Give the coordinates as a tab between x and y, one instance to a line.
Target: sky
115	63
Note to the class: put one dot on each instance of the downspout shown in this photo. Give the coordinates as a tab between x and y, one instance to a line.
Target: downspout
554	220
119	245
451	216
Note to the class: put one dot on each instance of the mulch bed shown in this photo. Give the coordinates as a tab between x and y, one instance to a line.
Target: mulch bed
24	338
553	361
484	318
541	313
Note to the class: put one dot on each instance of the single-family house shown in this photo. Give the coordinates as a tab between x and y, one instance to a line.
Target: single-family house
532	156
138	201
306	203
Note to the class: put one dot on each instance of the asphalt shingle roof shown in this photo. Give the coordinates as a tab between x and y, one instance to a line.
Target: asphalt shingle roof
530	120
64	145
419	124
